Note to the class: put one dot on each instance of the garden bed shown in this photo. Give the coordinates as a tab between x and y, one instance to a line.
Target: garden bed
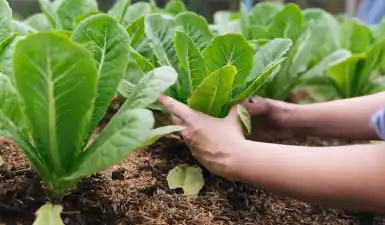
135	192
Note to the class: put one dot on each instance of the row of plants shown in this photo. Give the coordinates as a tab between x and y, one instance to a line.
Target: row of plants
61	68
332	56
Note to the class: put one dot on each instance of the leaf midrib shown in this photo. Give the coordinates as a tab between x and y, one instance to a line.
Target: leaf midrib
189	68
102	59
52	119
214	94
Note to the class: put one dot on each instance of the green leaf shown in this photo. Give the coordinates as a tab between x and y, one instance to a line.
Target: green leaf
232	27
343	73
69	10
10	103
305	53
312	14
5	20
123	135
356	37
189	178
136	11
378	30
160	30
264	13
191	62
321	33
143	63
136	32
331	60
49	10
213	93
84	16
6	53
49	214
373	59
376	85
259	32
137	68
174	7
257	44
150	87
225	23
57	92
268	55
245	20
7	41
22	28
125	88
111	51
39	22
196	27
245	118
119	10
230	49
158	133
288	23
9	129
257	83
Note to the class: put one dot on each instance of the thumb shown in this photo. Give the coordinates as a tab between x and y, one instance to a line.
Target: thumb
235	119
233	114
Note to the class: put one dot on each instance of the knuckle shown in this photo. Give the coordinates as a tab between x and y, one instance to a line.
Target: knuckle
188	136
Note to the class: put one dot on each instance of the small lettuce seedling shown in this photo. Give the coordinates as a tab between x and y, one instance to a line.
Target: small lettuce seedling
58	93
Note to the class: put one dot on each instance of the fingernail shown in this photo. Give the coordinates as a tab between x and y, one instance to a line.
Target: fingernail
160	98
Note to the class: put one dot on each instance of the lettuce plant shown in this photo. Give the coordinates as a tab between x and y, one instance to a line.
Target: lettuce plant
307	29
355	75
317	46
58	93
257	23
253	25
56	15
214	72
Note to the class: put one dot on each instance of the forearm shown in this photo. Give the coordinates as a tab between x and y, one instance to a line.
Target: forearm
347	119
351	177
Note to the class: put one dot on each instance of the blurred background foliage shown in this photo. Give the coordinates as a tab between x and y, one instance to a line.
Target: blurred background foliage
23	8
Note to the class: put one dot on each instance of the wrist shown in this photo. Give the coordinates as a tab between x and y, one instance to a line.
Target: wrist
234	163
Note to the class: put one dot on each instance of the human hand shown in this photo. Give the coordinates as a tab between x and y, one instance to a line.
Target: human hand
212	141
271	119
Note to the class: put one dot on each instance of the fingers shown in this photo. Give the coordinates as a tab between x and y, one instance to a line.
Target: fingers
176	120
256	106
177	109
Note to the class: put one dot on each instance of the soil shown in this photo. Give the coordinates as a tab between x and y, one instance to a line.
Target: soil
136	192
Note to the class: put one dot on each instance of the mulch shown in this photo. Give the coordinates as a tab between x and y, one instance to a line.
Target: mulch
136	192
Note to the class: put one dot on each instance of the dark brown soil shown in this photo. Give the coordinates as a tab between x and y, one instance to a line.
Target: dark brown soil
135	192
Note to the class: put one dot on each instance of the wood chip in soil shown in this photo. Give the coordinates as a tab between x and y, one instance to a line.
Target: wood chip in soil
135	192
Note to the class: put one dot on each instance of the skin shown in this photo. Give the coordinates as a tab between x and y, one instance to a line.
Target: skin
350	177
